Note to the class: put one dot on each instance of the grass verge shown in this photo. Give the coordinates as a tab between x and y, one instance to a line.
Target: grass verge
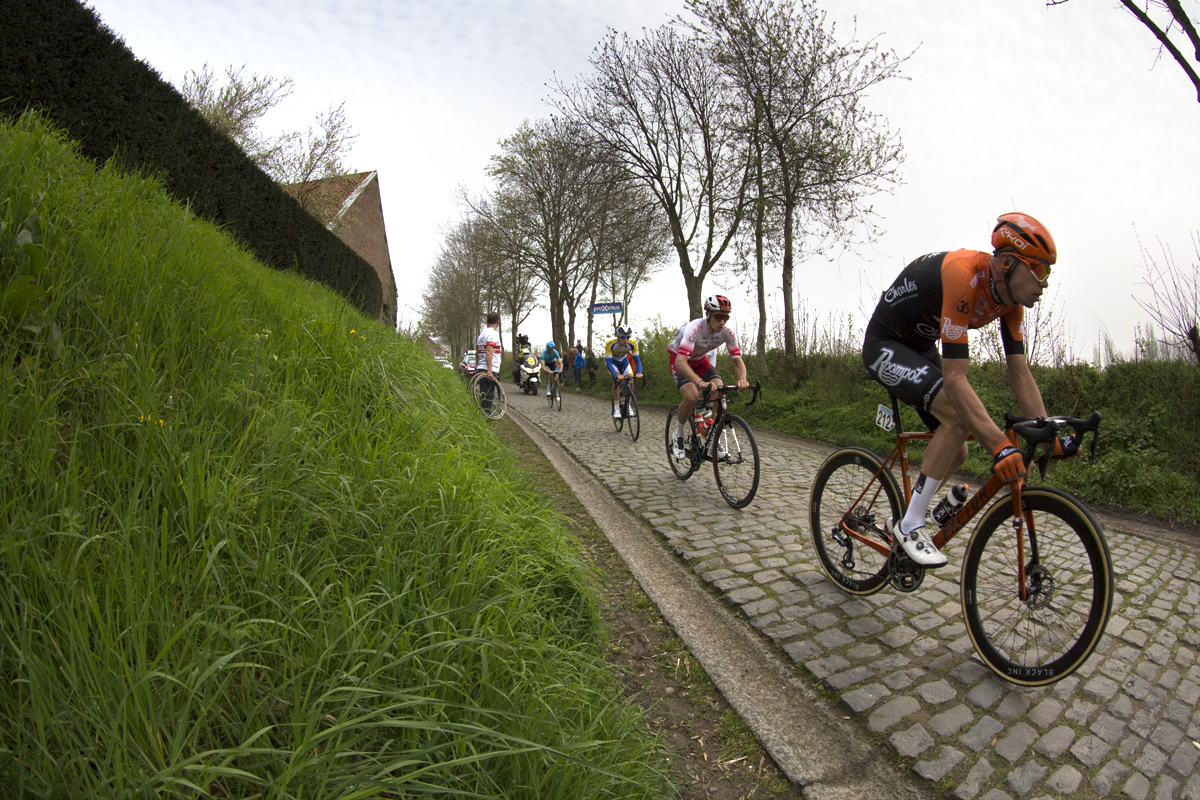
255	545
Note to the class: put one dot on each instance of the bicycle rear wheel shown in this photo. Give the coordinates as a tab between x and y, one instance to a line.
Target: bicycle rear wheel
735	461
631	414
1044	637
684	468
847	497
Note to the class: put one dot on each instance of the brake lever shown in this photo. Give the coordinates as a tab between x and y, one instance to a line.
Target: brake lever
756	388
1044	461
1095	428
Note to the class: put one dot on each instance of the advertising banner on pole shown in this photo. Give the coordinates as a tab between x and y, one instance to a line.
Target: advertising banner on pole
607	308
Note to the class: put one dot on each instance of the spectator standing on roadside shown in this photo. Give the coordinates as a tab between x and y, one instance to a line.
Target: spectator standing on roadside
578	363
487	355
590	364
568	361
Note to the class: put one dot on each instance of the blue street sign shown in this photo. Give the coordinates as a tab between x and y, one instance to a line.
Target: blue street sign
607	308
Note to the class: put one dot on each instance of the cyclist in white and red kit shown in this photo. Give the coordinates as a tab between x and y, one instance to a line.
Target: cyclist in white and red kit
693	357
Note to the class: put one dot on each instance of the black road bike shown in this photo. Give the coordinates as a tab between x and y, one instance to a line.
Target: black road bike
627	402
713	434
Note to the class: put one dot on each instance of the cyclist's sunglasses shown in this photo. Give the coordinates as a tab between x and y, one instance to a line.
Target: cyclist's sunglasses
722	317
1040	269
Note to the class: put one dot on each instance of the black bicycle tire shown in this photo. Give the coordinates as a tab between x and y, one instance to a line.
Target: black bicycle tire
558	396
683	470
732	422
634	420
1048	504
501	403
618	421
859	467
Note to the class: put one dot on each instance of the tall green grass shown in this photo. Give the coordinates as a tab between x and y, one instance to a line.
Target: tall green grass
254	545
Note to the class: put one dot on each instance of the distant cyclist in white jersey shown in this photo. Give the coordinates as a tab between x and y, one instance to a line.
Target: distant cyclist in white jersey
693	360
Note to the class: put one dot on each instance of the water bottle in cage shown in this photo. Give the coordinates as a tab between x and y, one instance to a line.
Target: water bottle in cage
946	509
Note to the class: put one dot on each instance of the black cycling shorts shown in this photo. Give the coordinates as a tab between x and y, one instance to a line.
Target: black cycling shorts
914	378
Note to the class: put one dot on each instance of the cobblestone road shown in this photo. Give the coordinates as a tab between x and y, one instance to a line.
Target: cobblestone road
1126	724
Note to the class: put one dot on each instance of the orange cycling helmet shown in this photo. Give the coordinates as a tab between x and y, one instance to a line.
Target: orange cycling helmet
717	304
1026	235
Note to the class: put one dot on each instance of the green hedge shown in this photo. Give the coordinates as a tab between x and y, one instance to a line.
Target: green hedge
59	57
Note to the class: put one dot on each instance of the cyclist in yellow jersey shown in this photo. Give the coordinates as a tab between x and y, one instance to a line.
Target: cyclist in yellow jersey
617	353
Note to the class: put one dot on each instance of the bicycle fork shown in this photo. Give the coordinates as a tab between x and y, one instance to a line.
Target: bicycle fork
1024	526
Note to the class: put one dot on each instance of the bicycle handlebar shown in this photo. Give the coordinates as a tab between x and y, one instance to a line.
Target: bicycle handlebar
725	389
1044	430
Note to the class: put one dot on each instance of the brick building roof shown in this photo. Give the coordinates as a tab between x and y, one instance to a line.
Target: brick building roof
351	206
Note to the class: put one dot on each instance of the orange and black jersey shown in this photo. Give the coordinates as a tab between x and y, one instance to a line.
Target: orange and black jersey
941	296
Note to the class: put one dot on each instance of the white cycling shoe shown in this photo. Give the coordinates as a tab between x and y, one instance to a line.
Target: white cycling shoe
917	545
616	412
677	449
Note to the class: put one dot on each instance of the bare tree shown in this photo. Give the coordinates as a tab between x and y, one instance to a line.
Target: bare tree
1175	303
661	105
552	189
803	90
463	284
516	285
236	109
631	243
1174	22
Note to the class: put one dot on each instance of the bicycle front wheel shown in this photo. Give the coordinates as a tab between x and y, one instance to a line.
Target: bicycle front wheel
558	396
683	468
489	396
1044	636
618	419
735	461
633	420
854	496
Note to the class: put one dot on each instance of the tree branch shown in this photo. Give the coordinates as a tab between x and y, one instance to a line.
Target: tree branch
1177	13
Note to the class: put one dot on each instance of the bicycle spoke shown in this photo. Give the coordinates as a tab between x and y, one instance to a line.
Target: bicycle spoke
1044	636
735	462
848	501
488	394
683	468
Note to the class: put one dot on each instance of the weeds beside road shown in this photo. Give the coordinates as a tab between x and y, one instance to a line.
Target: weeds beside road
1148	460
711	753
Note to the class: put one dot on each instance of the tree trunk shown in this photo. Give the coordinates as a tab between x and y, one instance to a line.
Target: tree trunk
789	313
760	211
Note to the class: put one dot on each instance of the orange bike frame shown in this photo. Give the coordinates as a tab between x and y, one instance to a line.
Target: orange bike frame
966	511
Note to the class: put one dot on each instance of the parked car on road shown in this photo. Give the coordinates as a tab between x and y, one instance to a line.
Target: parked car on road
445	362
466	367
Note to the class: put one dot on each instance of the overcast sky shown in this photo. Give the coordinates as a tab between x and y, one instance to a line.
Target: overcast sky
1009	105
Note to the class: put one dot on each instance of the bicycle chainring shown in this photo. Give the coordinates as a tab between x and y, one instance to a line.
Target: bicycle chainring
904	573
